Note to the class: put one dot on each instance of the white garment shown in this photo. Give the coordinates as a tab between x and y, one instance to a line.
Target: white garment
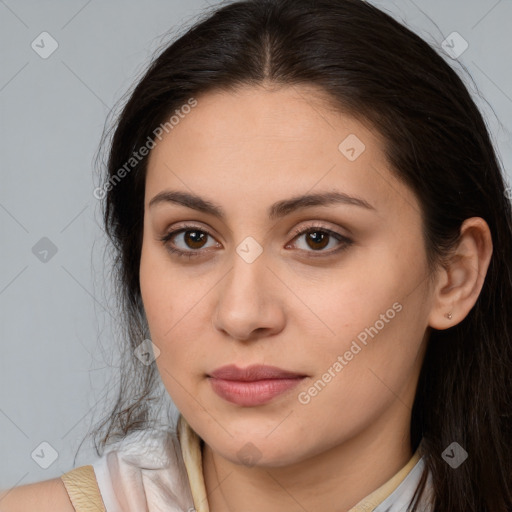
401	497
146	472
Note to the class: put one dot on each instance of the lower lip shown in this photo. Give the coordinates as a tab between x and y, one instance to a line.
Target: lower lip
252	393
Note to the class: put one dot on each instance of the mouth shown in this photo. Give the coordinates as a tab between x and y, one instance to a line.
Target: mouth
254	385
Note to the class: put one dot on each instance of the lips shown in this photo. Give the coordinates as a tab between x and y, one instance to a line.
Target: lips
252	386
252	373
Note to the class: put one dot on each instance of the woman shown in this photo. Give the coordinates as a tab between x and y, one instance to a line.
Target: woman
314	256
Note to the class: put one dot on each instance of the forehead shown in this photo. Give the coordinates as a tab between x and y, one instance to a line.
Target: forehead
252	115
256	144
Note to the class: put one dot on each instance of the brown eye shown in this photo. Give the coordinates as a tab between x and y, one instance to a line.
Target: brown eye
194	239
318	238
188	241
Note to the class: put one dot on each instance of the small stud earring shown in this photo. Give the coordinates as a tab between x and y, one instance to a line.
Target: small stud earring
449	315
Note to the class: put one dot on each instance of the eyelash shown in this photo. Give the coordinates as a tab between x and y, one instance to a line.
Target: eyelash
346	242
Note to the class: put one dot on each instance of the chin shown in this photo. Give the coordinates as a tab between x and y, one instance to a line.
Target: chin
254	451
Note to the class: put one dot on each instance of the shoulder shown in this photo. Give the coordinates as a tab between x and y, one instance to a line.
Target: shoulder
45	496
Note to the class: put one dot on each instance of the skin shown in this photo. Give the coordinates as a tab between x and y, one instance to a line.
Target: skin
292	307
45	496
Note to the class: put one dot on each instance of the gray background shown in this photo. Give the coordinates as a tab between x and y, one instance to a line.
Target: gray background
55	321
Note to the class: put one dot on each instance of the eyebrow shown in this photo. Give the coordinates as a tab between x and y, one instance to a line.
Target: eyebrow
275	211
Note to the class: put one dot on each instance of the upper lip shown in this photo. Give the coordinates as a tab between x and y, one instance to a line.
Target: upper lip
253	372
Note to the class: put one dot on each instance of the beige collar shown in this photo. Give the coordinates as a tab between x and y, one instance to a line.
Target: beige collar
190	444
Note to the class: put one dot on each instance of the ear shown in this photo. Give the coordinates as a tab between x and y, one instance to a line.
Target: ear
460	280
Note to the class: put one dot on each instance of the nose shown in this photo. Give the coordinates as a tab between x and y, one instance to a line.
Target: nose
249	300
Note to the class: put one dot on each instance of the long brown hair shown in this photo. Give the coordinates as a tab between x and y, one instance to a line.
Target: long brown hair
375	68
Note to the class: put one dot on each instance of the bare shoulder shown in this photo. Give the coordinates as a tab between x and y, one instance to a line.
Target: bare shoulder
45	496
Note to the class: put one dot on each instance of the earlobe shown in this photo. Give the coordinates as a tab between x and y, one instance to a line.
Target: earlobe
461	279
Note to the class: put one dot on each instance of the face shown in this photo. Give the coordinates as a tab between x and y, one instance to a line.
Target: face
335	292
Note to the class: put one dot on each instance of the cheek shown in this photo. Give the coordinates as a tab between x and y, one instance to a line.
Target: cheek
373	318
159	295
363	372
172	305
339	305
154	295
162	290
